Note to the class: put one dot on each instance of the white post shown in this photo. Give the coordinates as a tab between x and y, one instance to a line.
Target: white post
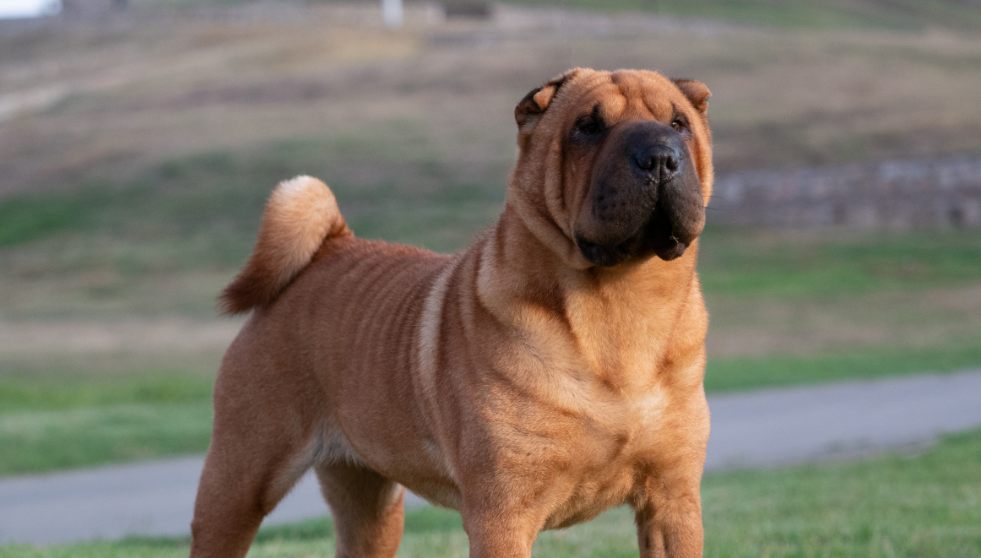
392	13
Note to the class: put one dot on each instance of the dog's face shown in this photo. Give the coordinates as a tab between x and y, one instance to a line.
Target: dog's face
620	162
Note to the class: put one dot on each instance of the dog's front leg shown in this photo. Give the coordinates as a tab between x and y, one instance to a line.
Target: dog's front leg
499	537
499	530
669	522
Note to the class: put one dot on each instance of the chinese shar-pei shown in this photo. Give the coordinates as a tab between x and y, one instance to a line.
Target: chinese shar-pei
551	370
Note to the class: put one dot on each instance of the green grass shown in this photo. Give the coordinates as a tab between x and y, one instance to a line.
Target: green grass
63	420
893	506
896	505
746	373
66	391
35	441
818	264
24	218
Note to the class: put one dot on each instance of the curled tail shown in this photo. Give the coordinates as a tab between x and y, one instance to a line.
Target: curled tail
300	215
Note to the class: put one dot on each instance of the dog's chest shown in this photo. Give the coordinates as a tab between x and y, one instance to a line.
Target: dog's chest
599	464
623	430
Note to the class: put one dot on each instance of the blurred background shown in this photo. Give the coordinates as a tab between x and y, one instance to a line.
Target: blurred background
139	140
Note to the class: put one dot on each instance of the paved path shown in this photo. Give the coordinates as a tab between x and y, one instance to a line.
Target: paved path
756	429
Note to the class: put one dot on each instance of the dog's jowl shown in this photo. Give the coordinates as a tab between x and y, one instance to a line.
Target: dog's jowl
548	372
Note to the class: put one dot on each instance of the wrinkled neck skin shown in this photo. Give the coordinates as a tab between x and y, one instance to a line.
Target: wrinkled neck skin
622	321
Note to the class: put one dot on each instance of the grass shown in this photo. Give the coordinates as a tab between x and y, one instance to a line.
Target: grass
167	240
66	392
747	373
36	441
822	264
896	505
25	218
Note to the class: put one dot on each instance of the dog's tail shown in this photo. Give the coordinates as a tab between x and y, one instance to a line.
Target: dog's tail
300	215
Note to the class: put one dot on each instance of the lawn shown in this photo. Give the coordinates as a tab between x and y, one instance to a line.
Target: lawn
898	505
65	421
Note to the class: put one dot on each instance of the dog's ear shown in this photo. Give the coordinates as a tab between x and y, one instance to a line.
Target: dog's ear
530	109
696	92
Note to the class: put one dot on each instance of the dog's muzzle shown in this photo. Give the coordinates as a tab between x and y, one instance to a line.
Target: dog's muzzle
645	197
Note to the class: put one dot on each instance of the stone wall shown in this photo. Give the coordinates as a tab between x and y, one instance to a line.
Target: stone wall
887	195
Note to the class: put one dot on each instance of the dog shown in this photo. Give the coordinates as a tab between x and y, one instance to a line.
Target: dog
548	372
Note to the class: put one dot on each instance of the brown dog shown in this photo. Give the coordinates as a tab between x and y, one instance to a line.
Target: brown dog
548	372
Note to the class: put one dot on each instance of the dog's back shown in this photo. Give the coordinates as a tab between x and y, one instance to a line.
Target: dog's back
329	313
306	266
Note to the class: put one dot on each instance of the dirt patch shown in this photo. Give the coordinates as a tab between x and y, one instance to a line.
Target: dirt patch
131	335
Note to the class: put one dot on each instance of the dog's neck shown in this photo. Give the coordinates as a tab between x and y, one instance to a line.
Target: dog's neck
540	249
627	311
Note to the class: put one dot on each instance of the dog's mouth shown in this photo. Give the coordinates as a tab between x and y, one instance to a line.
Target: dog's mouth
644	200
672	249
656	237
609	256
668	233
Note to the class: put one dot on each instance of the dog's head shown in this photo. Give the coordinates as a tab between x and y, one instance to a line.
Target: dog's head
619	164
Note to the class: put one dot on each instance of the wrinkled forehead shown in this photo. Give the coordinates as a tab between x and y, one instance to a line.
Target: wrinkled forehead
628	95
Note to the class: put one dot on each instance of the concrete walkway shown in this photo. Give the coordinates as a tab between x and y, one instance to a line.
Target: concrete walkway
757	429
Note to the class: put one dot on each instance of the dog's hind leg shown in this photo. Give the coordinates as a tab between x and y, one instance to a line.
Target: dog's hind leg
259	449
367	509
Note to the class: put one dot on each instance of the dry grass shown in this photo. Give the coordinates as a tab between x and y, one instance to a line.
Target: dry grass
65	340
118	97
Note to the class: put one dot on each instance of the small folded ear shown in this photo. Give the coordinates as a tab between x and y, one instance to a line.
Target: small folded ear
530	109
696	92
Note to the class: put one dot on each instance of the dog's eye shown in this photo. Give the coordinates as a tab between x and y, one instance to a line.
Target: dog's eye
587	125
680	124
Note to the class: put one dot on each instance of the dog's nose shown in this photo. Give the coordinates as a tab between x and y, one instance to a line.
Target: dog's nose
660	160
